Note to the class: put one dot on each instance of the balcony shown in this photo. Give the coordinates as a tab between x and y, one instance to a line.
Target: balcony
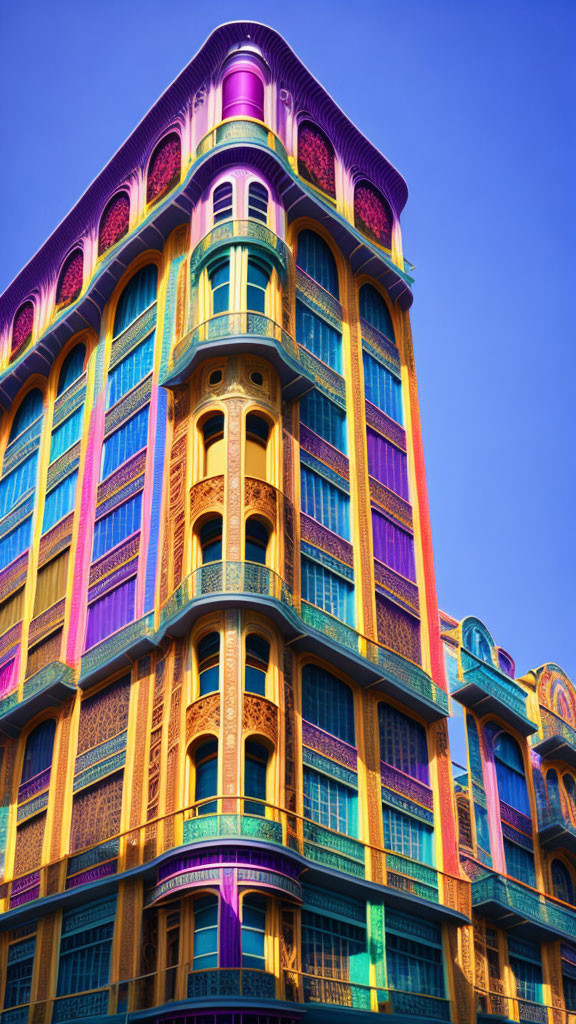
241	232
241	131
555	831
242	332
117	651
558	741
50	686
234	584
486	690
516	907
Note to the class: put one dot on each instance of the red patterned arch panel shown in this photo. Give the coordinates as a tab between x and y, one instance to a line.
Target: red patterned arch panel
115	222
372	215
22	328
70	280
164	167
316	159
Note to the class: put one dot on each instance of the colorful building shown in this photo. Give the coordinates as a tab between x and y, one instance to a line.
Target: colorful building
248	773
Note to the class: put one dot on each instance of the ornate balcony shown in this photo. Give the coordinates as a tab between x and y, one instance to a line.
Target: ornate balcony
486	690
556	831
518	908
558	740
240	232
230	584
241	131
243	332
50	686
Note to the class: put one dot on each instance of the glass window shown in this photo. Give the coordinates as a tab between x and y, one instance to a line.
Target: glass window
526	964
211	540
255	770
28	412
325	418
510	773
327	590
15	542
519	863
328	703
38	752
206	761
253	932
374	310
138	295
208	653
324	502
407	835
382	388
72	368
403	743
393	546
60	501
84	961
562	882
330	949
17	484
256	541
214	445
117	526
111	612
130	438
66	434
257	660
205	933
315	259
413	966
51	582
220	284
19	971
387	463
257	201
222	202
130	370
319	337
258	277
330	803
257	432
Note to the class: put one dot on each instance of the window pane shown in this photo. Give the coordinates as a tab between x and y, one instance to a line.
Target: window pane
325	418
323	501
382	388
130	370
117	526
327	590
129	439
328	703
319	337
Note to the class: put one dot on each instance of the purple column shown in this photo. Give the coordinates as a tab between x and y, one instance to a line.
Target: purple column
242	91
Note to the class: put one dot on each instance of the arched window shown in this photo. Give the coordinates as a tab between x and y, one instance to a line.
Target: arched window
115	222
403	743
22	328
38	752
257	432
328	703
138	295
477	643
61	498
372	214
255	771
570	790
206	776
374	310
19	480
219	275
222	202
257	661
553	790
512	787
71	278
258	201
205	950
562	883
208	654
214	445
164	167
258	277
29	411
506	663
211	540
315	259
254	932
316	159
72	368
256	541
242	92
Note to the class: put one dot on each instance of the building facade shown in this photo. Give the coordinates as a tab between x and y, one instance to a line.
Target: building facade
249	774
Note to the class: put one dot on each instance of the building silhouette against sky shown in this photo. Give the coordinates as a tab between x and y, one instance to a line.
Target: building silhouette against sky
234	786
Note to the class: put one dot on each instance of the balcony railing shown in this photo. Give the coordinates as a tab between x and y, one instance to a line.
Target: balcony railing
558	740
513	905
51	685
555	830
398	676
240	232
241	131
488	690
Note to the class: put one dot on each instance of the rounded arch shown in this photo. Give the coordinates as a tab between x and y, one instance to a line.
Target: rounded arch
373	308
477	639
556	692
70	278
114	222
222	198
211	432
22	328
510	769
37	751
27	412
373	214
562	878
72	367
136	294
164	166
316	158
315	257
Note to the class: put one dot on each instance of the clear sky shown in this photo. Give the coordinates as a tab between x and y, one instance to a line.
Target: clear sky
471	101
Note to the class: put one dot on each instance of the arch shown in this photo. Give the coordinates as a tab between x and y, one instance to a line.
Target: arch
506	663
243	90
72	368
204	756
316	158
208	660
114	222
38	750
556	692
403	743
328	703
553	790
223	202
30	408
570	790
372	214
316	259
258	197
138	294
510	773
257	536
164	167
210	536
257	438
257	660
212	430
477	639
562	882
71	278
373	310
22	328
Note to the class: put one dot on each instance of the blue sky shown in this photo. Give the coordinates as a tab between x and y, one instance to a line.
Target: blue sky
471	101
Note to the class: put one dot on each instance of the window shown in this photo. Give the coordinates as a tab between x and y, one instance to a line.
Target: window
222	202
11	610
257	433
330	949
387	464
257	201
519	862
372	214
115	222
214	445
130	438
324	502
205	933
38	751
130	371
72	368
17	484
526	964
111	612
256	541
19	971
60	501
6	675
257	660
382	388
206	786
51	583
570	790
208	654
117	526
327	590
138	295
476	642
242	92
413	966
510	773
28	412
562	883
22	328
403	743
316	158
330	803
319	337
407	835
328	703
374	310
15	542
255	770
219	275
393	546
71	278
258	277
253	932
211	540
315	259
66	434
84	961
325	418
164	167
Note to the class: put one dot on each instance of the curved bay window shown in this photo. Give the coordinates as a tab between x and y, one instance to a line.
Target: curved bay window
258	278
219	277
257	434
210	535
205	948
315	258
316	158
374	310
208	656
214	445
256	545
258	201
255	776
328	703
115	222
222	197
206	776
256	664
372	214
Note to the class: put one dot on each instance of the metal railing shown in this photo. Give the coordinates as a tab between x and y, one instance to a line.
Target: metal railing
230	325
